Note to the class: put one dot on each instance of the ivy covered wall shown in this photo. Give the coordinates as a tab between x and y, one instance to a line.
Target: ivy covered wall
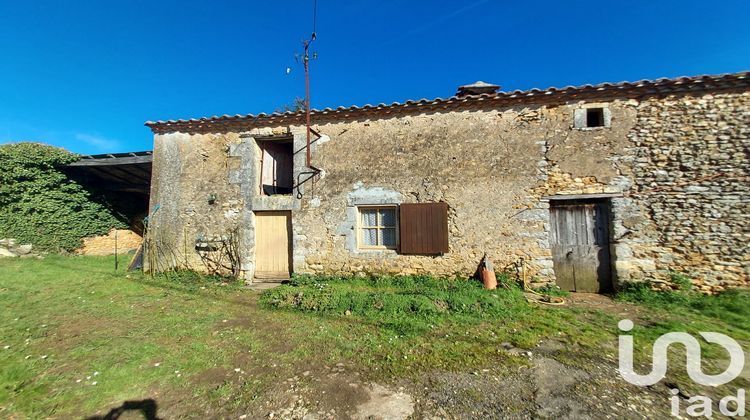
41	205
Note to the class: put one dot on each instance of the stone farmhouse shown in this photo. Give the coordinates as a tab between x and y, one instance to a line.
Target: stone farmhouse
586	187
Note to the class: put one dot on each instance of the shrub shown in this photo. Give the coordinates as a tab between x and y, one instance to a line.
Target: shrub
39	204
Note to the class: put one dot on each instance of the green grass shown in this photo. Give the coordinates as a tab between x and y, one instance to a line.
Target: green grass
427	322
428	313
408	305
689	311
71	321
729	310
400	326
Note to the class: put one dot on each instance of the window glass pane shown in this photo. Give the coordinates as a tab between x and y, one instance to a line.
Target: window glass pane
369	237
388	237
369	217
388	217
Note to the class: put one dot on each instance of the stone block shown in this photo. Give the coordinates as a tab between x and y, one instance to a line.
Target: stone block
23	249
7	243
6	253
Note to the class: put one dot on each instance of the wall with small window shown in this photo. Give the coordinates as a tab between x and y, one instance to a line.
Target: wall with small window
388	226
592	116
432	193
387	178
409	228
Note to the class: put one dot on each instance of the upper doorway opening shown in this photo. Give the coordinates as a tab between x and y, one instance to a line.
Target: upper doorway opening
277	166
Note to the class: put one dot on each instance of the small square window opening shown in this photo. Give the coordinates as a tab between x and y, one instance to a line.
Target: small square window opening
595	117
378	227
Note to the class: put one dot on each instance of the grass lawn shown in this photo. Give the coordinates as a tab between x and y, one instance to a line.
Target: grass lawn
78	338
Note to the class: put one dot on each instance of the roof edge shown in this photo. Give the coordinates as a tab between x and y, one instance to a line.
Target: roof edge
661	86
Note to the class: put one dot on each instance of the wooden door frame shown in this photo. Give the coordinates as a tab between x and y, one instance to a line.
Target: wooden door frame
605	269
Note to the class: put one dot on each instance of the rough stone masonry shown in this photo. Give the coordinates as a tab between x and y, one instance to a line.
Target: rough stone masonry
670	157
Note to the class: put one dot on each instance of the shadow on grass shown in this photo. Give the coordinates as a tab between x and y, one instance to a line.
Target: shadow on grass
146	407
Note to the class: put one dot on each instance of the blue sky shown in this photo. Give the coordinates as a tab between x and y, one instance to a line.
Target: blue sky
86	74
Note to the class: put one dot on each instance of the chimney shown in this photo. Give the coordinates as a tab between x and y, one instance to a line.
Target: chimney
477	88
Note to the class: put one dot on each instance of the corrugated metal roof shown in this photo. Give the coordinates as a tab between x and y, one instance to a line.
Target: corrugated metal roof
117	155
661	86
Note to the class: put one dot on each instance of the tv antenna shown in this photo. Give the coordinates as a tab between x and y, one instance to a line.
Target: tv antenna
306	64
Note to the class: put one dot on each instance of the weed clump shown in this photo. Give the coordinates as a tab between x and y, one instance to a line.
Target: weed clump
681	281
552	290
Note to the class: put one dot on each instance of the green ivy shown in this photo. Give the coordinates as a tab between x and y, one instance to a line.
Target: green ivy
41	205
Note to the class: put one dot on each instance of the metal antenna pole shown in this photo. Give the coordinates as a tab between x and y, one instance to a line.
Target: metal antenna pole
116	261
306	62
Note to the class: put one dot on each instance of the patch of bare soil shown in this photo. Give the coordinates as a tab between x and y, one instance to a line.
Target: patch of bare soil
556	382
545	389
605	304
70	332
309	388
330	392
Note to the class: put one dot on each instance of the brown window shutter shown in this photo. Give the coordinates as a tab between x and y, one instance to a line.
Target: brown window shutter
423	228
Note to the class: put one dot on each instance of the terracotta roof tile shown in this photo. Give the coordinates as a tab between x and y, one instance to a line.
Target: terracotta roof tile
732	81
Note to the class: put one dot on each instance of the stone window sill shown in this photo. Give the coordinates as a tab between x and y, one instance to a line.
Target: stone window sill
376	251
592	128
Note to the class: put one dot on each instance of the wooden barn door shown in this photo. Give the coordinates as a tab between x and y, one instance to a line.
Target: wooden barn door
272	244
579	238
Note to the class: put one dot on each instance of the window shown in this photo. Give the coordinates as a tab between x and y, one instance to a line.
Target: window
378	227
592	116
595	117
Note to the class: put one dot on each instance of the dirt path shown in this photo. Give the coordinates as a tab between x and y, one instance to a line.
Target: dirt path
546	388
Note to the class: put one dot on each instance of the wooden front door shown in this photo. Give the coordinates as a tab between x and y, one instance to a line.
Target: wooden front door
579	238
273	244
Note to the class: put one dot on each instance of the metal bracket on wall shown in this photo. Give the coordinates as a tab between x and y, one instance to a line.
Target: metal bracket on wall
312	174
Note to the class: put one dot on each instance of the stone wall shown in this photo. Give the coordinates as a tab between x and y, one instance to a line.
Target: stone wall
692	180
492	167
496	169
188	172
124	240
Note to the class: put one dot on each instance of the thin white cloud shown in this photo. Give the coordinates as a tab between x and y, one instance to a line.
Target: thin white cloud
101	143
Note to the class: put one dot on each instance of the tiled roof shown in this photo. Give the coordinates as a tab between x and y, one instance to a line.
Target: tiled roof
664	86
